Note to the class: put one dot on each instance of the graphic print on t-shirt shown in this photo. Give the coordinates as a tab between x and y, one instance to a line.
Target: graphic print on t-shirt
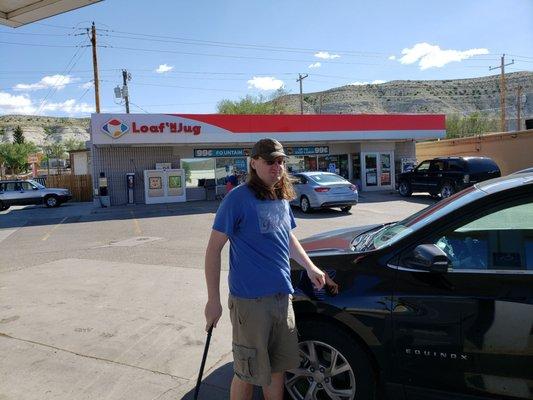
273	216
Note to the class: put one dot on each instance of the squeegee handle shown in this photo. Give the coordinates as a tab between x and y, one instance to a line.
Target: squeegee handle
204	357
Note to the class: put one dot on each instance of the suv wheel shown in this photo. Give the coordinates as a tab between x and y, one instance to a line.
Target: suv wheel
447	190
405	189
3	206
51	201
333	366
305	205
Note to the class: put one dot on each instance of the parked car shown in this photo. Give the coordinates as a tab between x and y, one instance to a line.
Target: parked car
323	190
437	306
524	171
446	176
19	192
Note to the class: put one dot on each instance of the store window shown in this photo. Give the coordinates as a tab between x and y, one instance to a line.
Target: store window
227	166
197	170
295	164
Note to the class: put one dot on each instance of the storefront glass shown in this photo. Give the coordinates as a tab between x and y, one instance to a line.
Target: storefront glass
295	164
197	170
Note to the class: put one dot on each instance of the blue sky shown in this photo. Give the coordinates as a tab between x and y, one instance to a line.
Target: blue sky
186	56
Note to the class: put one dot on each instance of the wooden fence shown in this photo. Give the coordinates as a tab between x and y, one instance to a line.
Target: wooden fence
81	186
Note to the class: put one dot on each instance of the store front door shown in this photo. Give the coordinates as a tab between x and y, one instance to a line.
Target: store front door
164	186
378	170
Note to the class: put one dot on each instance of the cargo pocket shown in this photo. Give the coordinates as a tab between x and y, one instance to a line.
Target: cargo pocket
244	361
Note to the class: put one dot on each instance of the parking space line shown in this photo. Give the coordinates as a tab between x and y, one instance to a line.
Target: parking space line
45	237
138	230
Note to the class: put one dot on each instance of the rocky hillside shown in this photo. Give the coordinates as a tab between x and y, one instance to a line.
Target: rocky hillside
35	128
459	96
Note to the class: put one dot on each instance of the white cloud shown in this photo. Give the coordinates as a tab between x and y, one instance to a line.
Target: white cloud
23	104
326	56
53	81
375	82
87	85
431	56
10	104
393	57
265	83
315	65
69	106
164	68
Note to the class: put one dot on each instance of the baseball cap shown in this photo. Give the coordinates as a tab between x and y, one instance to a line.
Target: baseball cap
268	149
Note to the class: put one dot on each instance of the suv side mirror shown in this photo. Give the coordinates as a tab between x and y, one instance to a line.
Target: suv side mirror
427	257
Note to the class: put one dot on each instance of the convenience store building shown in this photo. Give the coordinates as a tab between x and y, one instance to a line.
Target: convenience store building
367	149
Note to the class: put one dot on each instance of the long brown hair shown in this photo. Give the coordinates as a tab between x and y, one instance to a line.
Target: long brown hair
282	190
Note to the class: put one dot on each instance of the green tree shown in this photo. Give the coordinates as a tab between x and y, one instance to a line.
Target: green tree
74	144
18	135
254	105
470	125
15	155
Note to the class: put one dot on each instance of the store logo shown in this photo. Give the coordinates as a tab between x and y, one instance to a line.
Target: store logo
115	128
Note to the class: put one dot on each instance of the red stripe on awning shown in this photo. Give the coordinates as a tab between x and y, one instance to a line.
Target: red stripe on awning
321	123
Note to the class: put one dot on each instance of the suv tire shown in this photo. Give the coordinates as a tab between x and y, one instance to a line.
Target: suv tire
447	189
404	188
3	206
328	341
51	201
305	205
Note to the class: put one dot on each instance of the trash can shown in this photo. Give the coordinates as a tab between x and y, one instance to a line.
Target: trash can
210	186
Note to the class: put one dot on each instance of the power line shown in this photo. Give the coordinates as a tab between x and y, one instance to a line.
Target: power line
229	56
244	45
37	45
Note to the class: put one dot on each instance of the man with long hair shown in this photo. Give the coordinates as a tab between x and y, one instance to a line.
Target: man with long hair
257	220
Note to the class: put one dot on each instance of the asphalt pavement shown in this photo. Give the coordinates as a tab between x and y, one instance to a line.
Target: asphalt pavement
108	303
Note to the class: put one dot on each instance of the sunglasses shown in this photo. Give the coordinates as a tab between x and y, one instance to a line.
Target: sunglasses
272	162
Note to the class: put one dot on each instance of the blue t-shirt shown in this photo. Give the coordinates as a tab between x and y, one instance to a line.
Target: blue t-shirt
259	235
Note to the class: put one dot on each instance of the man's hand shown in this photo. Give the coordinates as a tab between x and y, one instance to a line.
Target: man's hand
213	312
317	277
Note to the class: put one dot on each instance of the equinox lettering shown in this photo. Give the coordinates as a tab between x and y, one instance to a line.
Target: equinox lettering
437	354
172	127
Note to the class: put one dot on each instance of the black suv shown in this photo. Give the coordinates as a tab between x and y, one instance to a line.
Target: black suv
437	306
445	176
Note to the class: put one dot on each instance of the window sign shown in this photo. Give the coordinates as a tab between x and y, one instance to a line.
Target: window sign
306	151
240	163
174	181
234	152
155	183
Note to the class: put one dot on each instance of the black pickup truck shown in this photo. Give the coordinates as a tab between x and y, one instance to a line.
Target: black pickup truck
447	175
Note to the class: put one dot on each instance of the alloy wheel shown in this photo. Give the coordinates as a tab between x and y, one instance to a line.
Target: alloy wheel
51	201
446	191
324	373
304	204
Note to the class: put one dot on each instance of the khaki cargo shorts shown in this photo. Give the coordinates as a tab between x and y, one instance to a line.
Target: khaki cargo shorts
265	339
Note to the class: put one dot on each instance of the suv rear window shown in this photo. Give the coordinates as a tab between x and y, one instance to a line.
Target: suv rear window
481	165
455	166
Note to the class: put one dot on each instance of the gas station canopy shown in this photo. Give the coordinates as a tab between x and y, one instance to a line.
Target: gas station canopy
16	13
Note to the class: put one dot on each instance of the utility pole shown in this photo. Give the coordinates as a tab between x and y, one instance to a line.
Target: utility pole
518	105
95	68
503	91
125	78
300	79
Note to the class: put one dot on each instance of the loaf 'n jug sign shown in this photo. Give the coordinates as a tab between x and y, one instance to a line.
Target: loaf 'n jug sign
172	127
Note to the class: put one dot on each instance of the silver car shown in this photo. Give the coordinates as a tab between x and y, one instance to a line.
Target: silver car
323	190
19	193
